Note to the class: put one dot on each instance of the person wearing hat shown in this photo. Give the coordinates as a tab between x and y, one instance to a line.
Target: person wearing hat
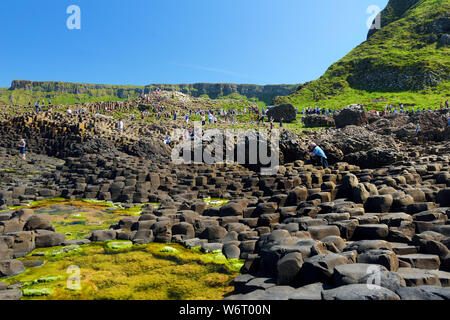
316	153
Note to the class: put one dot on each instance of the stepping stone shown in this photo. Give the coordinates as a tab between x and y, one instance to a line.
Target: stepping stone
418	277
351	273
366	245
371	232
309	292
320	232
320	268
403	249
424	293
422	261
10	294
444	277
386	258
360	292
367	219
386	279
240	281
259	284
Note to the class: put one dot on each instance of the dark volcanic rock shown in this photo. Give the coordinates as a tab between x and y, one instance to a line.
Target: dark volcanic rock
286	111
352	115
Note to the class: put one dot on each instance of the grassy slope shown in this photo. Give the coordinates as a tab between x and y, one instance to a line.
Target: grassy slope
21	97
398	46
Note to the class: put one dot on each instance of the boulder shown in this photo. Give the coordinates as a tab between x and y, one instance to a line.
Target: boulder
143	237
352	273
39	221
185	229
46	238
231	209
320	268
214	233
103	235
378	204
9	268
231	251
296	196
24	243
351	115
288	268
286	111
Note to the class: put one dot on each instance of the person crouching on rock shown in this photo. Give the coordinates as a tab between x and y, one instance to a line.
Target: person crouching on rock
316	153
22	146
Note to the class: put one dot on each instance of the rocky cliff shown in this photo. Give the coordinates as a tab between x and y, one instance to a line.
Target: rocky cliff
213	90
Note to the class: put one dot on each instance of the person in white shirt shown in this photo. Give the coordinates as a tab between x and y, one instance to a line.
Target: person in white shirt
120	128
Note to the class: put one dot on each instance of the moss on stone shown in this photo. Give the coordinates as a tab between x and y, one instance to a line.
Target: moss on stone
144	272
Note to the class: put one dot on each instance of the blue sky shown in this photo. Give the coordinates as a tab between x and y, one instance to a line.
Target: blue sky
139	42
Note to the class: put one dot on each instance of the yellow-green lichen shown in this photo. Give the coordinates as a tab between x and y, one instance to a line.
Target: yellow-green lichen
143	272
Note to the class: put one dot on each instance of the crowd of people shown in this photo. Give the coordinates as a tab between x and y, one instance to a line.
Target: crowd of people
158	97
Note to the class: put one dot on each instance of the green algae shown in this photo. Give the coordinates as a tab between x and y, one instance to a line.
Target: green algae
118	246
36	292
143	272
168	249
215	202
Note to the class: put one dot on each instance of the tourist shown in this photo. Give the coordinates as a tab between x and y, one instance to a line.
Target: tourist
22	146
187	118
37	106
69	111
210	118
167	139
417	128
316	153
120	127
281	122
203	120
271	123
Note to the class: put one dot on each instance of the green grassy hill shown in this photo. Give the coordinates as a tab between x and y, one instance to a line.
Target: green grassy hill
406	61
